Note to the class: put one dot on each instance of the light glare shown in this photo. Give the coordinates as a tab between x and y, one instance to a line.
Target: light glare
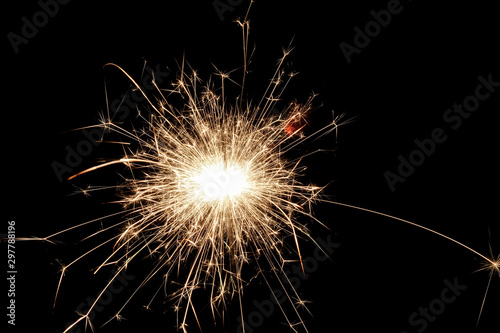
217	182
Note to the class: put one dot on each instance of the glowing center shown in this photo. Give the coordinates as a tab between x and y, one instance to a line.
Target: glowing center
219	182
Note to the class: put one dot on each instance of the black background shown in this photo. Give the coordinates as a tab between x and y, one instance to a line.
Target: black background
398	88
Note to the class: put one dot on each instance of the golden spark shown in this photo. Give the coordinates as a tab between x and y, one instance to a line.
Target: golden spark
212	190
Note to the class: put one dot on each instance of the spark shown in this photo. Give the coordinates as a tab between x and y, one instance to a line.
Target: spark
493	266
211	190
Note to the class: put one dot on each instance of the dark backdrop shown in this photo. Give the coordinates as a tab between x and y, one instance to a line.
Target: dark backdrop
397	86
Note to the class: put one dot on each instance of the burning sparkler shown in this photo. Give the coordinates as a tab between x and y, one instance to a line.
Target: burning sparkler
211	189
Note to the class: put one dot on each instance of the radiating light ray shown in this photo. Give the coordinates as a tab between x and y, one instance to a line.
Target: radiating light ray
493	267
210	235
215	189
490	262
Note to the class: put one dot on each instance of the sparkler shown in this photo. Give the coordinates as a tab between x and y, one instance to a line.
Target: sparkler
211	189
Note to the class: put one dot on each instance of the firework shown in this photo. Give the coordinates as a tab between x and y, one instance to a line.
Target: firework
210	189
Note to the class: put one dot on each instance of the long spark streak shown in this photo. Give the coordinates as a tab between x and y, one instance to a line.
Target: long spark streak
215	190
490	261
212	189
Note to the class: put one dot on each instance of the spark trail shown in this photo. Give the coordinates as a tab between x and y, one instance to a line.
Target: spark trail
211	191
210	187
